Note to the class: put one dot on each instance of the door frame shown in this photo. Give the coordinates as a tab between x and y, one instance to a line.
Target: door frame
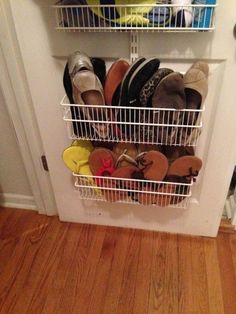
19	106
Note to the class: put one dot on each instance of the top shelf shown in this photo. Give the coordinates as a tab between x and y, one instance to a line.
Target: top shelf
134	17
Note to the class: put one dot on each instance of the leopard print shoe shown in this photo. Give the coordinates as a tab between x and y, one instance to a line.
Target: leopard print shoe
149	87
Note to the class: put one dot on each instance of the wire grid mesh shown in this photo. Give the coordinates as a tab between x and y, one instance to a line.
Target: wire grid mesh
134	191
125	17
133	124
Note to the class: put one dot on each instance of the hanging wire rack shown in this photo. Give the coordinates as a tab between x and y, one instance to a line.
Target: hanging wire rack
135	17
140	125
133	191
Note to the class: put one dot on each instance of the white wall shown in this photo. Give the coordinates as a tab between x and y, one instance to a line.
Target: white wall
14	186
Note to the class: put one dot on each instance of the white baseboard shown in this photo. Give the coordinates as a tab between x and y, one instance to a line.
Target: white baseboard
17	201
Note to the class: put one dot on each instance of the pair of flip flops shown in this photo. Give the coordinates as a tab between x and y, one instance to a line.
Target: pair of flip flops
76	158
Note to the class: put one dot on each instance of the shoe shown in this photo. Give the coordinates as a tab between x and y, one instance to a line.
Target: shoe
150	86
187	167
87	90
196	89
76	157
114	78
99	68
138	79
154	165
102	162
78	61
169	93
125	154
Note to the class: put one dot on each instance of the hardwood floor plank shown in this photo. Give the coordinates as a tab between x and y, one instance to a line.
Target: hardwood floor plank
98	293
142	288
111	299
164	284
233	250
81	279
228	279
127	292
185	284
199	278
216	303
156	295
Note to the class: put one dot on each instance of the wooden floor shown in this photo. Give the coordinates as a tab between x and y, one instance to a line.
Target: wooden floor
51	267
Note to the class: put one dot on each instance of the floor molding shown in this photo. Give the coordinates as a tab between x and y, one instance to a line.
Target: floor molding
17	201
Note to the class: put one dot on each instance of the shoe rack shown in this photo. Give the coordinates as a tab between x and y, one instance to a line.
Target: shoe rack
144	125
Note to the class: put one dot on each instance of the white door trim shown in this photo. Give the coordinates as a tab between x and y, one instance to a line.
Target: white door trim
19	105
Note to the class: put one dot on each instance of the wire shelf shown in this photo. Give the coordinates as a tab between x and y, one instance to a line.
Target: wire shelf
134	17
133	124
133	191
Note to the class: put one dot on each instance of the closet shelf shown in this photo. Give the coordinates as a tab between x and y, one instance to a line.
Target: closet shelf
135	17
133	191
159	126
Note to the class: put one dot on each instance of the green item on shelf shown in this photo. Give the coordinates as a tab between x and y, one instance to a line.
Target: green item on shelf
123	15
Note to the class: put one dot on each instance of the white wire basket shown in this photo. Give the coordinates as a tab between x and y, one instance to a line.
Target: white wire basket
140	125
133	191
135	17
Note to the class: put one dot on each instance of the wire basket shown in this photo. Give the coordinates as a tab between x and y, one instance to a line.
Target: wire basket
136	17
133	124
132	191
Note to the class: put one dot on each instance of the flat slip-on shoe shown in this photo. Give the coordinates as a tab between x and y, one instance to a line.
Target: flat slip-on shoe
149	87
170	93
195	79
78	129
126	79
138	79
78	61
114	78
187	167
87	89
196	89
124	115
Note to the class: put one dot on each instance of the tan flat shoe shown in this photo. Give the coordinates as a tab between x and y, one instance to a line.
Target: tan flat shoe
88	90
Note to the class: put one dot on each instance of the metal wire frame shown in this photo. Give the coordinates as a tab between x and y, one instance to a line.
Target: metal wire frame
133	191
133	124
84	18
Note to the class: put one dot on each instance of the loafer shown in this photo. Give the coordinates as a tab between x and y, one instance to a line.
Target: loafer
196	89
87	90
78	61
